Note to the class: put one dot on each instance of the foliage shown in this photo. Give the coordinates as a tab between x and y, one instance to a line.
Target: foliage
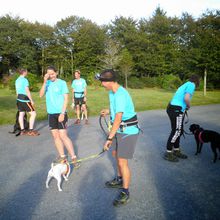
136	83
169	81
32	79
153	47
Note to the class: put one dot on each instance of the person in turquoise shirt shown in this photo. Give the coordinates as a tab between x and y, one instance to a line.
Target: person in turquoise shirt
123	134
175	110
25	103
56	92
79	96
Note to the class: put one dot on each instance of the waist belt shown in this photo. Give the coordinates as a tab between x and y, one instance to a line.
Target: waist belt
23	97
129	122
79	93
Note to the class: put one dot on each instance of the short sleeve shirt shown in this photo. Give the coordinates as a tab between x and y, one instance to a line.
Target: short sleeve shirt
55	92
121	101
178	98
21	84
79	86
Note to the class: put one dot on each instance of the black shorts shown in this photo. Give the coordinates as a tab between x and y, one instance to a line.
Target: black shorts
54	124
79	101
25	106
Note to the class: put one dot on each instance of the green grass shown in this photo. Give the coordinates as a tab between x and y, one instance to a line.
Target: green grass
144	99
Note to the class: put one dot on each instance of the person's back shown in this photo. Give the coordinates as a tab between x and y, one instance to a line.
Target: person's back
25	103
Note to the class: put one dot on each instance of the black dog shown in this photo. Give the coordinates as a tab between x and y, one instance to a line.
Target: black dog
205	136
17	129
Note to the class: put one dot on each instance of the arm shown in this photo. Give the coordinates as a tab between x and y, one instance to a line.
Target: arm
187	100
62	114
115	127
42	90
85	94
29	94
73	95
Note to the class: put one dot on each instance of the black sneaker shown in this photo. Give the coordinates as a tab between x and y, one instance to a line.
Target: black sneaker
178	153
170	157
115	183
122	199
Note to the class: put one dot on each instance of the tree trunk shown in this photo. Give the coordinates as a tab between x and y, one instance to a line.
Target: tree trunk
126	80
205	76
42	67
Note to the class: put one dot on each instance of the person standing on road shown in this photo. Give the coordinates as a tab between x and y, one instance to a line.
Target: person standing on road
79	96
179	104
123	134
25	103
56	92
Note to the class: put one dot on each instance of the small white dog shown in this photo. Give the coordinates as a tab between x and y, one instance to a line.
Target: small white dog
57	171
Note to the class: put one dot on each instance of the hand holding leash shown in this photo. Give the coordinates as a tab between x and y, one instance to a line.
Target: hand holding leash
104	112
107	145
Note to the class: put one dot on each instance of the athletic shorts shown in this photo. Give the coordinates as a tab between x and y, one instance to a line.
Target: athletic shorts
25	106
54	124
79	101
124	145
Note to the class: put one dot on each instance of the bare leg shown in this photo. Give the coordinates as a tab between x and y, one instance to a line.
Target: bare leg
125	171
58	142
67	142
21	120
78	111
32	119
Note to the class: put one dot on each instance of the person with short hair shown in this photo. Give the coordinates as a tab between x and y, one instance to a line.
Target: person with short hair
25	103
79	96
176	108
123	134
56	92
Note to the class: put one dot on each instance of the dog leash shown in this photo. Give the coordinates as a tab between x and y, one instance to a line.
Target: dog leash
187	120
93	156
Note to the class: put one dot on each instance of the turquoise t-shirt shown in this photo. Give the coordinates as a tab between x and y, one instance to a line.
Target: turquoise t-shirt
178	98
121	102
20	84
79	86
55	95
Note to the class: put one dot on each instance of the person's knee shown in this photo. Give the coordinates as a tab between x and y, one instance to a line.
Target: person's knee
63	135
33	114
122	163
55	134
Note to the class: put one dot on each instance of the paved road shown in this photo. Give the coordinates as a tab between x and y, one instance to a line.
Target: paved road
159	190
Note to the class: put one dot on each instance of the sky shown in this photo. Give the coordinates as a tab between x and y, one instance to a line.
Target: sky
101	11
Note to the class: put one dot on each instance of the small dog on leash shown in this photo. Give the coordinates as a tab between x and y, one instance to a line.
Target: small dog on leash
205	136
57	171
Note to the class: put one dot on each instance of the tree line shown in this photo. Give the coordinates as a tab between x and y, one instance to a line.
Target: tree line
147	48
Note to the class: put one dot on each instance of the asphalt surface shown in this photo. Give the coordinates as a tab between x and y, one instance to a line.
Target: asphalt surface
189	189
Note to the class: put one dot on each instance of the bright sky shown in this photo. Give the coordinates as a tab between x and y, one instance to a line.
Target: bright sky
101	11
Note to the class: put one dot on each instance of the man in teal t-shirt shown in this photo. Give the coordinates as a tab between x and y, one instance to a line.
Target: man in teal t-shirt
123	134
56	92
79	96
25	103
175	110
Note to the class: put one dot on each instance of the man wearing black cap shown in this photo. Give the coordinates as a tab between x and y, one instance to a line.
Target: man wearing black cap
123	135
